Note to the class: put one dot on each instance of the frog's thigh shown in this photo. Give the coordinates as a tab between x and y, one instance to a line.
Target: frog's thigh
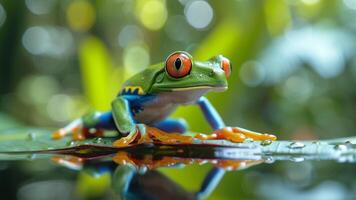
172	125
101	120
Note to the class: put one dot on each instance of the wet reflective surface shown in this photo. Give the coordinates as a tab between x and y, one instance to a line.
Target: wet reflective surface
298	169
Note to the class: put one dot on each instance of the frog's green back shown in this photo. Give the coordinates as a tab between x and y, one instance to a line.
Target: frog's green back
141	82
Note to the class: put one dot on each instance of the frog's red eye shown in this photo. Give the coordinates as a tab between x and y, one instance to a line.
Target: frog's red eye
178	65
226	66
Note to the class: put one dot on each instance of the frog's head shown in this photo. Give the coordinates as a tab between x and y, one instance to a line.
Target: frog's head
182	73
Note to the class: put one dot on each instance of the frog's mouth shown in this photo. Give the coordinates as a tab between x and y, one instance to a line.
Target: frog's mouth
219	88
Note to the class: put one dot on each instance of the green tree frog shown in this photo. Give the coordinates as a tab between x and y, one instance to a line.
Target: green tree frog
140	113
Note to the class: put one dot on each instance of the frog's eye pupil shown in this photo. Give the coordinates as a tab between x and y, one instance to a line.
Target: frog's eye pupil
178	63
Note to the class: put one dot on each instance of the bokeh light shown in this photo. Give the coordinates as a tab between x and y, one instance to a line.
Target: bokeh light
130	34
81	15
252	73
136	58
2	15
37	89
277	22
152	13
199	14
52	41
59	107
36	40
40	7
298	89
310	2
34	190
350	4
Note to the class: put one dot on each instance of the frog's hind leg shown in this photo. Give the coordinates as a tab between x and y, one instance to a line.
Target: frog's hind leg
90	125
71	128
173	125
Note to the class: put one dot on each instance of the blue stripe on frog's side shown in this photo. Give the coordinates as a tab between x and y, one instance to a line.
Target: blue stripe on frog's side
136	102
106	120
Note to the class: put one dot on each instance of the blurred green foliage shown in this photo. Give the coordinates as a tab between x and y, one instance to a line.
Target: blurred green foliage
293	63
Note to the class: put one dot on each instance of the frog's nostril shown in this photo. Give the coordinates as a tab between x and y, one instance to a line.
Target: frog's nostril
212	72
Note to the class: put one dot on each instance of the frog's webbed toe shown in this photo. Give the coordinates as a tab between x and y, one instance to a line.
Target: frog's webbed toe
253	135
168	138
235	134
127	140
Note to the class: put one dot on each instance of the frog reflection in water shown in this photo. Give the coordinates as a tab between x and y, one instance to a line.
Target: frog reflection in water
130	183
140	112
149	162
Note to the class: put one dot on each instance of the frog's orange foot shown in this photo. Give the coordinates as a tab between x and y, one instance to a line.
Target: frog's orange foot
146	134
168	138
235	134
127	140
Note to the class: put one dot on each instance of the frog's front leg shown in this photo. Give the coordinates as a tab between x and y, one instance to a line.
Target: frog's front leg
234	134
139	133
123	119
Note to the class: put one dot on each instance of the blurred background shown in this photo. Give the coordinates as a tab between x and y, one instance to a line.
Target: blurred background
294	75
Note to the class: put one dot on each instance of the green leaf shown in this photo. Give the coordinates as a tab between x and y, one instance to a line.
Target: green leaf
24	143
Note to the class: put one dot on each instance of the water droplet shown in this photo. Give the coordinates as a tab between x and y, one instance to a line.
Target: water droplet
31	136
269	160
296	145
349	144
297	159
341	147
71	143
266	142
248	140
31	156
98	140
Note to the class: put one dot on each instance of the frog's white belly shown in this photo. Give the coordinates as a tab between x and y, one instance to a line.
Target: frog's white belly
165	103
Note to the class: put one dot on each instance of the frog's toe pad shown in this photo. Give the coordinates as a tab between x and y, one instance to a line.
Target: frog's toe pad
127	140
